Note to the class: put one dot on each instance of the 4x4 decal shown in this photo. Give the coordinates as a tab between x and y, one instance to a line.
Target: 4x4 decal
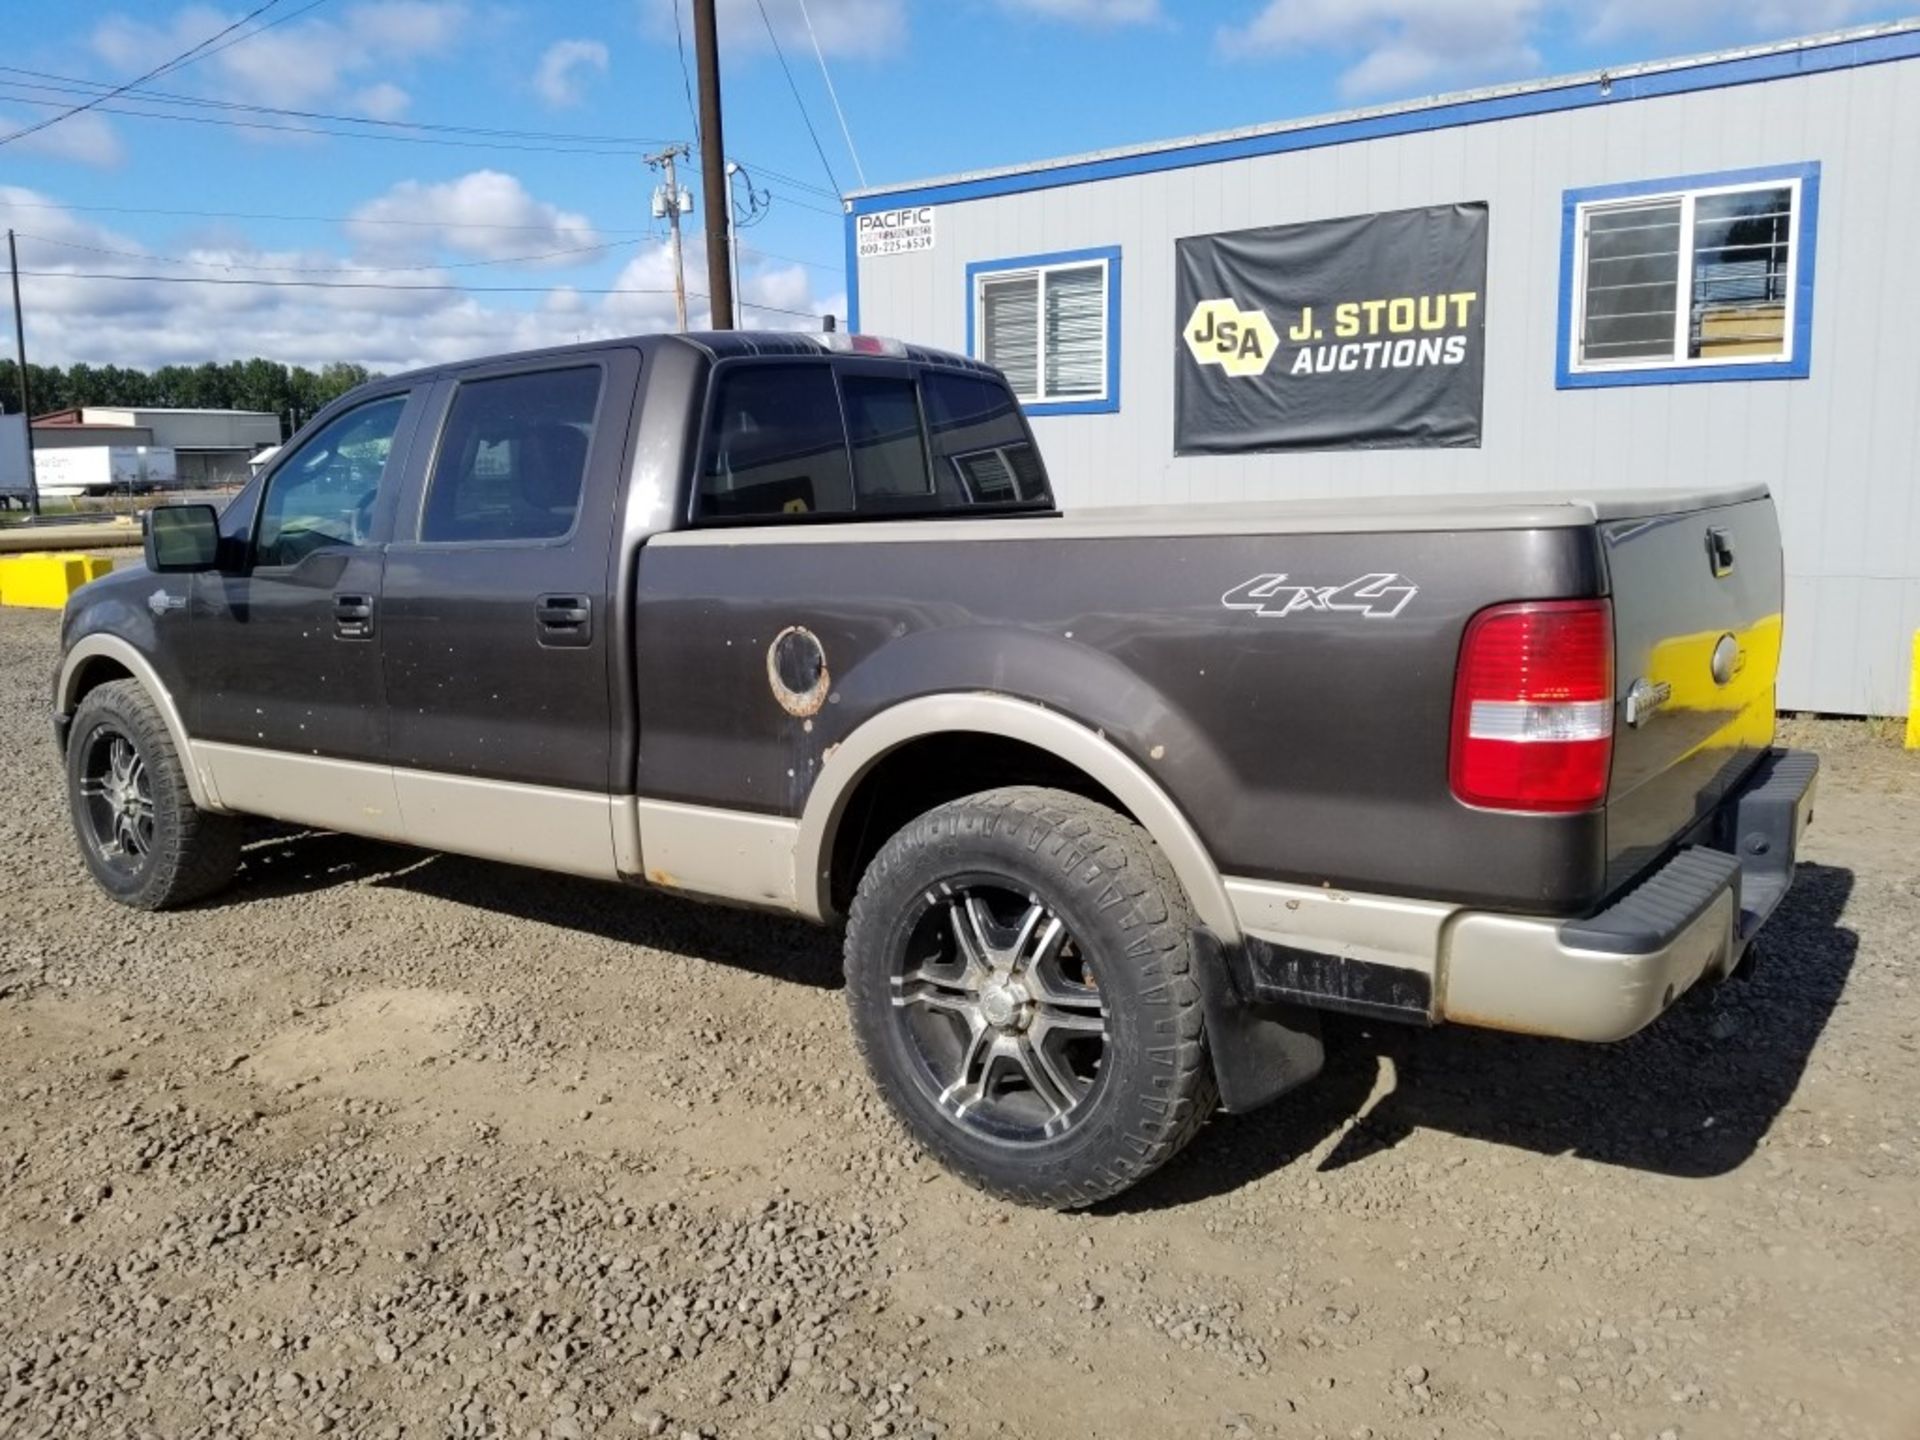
1380	596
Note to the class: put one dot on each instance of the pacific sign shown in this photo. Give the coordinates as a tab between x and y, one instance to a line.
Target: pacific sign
894	232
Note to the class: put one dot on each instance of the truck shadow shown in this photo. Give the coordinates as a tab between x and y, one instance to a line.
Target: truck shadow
286	862
1690	1096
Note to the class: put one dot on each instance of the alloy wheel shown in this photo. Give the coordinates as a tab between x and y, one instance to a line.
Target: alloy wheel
116	795
1001	1011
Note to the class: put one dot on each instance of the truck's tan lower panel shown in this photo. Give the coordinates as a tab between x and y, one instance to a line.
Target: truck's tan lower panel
728	854
553	829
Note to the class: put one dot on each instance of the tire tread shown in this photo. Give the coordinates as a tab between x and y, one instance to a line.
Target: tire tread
199	851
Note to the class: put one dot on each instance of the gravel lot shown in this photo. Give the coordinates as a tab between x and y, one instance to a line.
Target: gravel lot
387	1144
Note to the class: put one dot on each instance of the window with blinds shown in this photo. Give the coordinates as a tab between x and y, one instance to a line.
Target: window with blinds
1047	328
1691	278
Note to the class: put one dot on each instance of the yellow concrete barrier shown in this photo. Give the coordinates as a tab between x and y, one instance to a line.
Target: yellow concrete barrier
45	581
1913	698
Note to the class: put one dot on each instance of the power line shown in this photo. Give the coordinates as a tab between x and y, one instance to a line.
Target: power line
686	82
382	285
797	183
566	142
833	94
182	58
71	84
324	269
477	144
805	118
258	215
803	205
833	269
242	39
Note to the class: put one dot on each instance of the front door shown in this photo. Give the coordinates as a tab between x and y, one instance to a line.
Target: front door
498	614
287	702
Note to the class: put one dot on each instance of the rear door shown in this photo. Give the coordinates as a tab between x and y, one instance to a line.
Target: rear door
498	613
1697	618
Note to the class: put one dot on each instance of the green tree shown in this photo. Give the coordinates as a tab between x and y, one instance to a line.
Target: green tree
339	377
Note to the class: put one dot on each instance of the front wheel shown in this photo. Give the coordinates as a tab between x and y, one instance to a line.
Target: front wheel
1019	970
140	834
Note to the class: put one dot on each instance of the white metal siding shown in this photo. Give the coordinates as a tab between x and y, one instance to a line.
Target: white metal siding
1838	448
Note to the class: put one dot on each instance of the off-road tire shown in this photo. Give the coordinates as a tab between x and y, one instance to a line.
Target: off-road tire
195	852
1107	880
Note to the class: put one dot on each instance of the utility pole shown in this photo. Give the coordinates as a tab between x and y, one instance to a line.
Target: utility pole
733	228
672	202
26	390
713	164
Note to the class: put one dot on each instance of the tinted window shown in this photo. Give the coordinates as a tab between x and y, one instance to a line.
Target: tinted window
775	445
323	497
981	448
513	457
889	452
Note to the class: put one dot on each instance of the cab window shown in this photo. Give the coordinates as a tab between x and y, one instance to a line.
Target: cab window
323	496
513	457
982	451
775	444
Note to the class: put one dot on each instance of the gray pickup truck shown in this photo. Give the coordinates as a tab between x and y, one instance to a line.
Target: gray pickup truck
1112	804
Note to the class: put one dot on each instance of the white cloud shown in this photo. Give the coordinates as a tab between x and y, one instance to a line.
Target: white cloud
1401	45
87	139
1681	19
1091	12
859	29
298	64
485	215
559	77
140	323
385	101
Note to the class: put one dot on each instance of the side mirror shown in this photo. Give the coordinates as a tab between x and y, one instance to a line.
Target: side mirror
182	539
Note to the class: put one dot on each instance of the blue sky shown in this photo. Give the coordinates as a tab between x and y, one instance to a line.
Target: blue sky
928	87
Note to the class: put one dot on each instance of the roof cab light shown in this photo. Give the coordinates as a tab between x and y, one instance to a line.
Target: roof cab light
1533	707
846	343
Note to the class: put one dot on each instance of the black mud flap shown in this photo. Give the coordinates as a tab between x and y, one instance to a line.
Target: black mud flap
1259	1051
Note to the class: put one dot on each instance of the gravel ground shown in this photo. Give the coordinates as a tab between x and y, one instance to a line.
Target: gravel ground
390	1144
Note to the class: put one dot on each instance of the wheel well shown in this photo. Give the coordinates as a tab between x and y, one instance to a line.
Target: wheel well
924	773
94	673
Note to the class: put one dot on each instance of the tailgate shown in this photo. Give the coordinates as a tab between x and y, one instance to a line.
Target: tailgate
1696	614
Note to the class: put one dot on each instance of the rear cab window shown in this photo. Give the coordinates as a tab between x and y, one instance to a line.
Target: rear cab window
791	441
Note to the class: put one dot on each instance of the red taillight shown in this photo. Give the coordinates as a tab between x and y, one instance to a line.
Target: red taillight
1533	706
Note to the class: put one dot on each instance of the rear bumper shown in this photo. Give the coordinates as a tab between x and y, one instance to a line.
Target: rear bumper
1599	978
1605	977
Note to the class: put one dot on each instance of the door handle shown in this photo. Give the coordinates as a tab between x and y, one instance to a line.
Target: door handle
1720	550
564	620
353	617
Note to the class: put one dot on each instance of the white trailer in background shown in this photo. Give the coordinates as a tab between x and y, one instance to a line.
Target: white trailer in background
106	470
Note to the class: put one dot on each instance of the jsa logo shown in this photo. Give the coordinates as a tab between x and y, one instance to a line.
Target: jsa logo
1241	342
1376	597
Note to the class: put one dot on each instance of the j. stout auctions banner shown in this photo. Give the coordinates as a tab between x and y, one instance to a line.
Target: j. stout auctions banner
1357	334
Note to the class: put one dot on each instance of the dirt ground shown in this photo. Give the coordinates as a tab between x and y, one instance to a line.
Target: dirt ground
384	1143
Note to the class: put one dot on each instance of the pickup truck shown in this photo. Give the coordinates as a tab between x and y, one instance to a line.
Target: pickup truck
1112	804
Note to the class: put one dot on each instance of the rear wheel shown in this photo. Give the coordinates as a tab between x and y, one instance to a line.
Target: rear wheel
1020	977
142	837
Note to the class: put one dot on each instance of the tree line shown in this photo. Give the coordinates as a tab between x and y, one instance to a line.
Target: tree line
293	393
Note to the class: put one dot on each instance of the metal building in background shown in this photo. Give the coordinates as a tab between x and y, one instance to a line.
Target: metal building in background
209	447
1686	273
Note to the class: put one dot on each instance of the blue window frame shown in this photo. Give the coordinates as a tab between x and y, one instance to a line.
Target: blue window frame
1687	279
1051	324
